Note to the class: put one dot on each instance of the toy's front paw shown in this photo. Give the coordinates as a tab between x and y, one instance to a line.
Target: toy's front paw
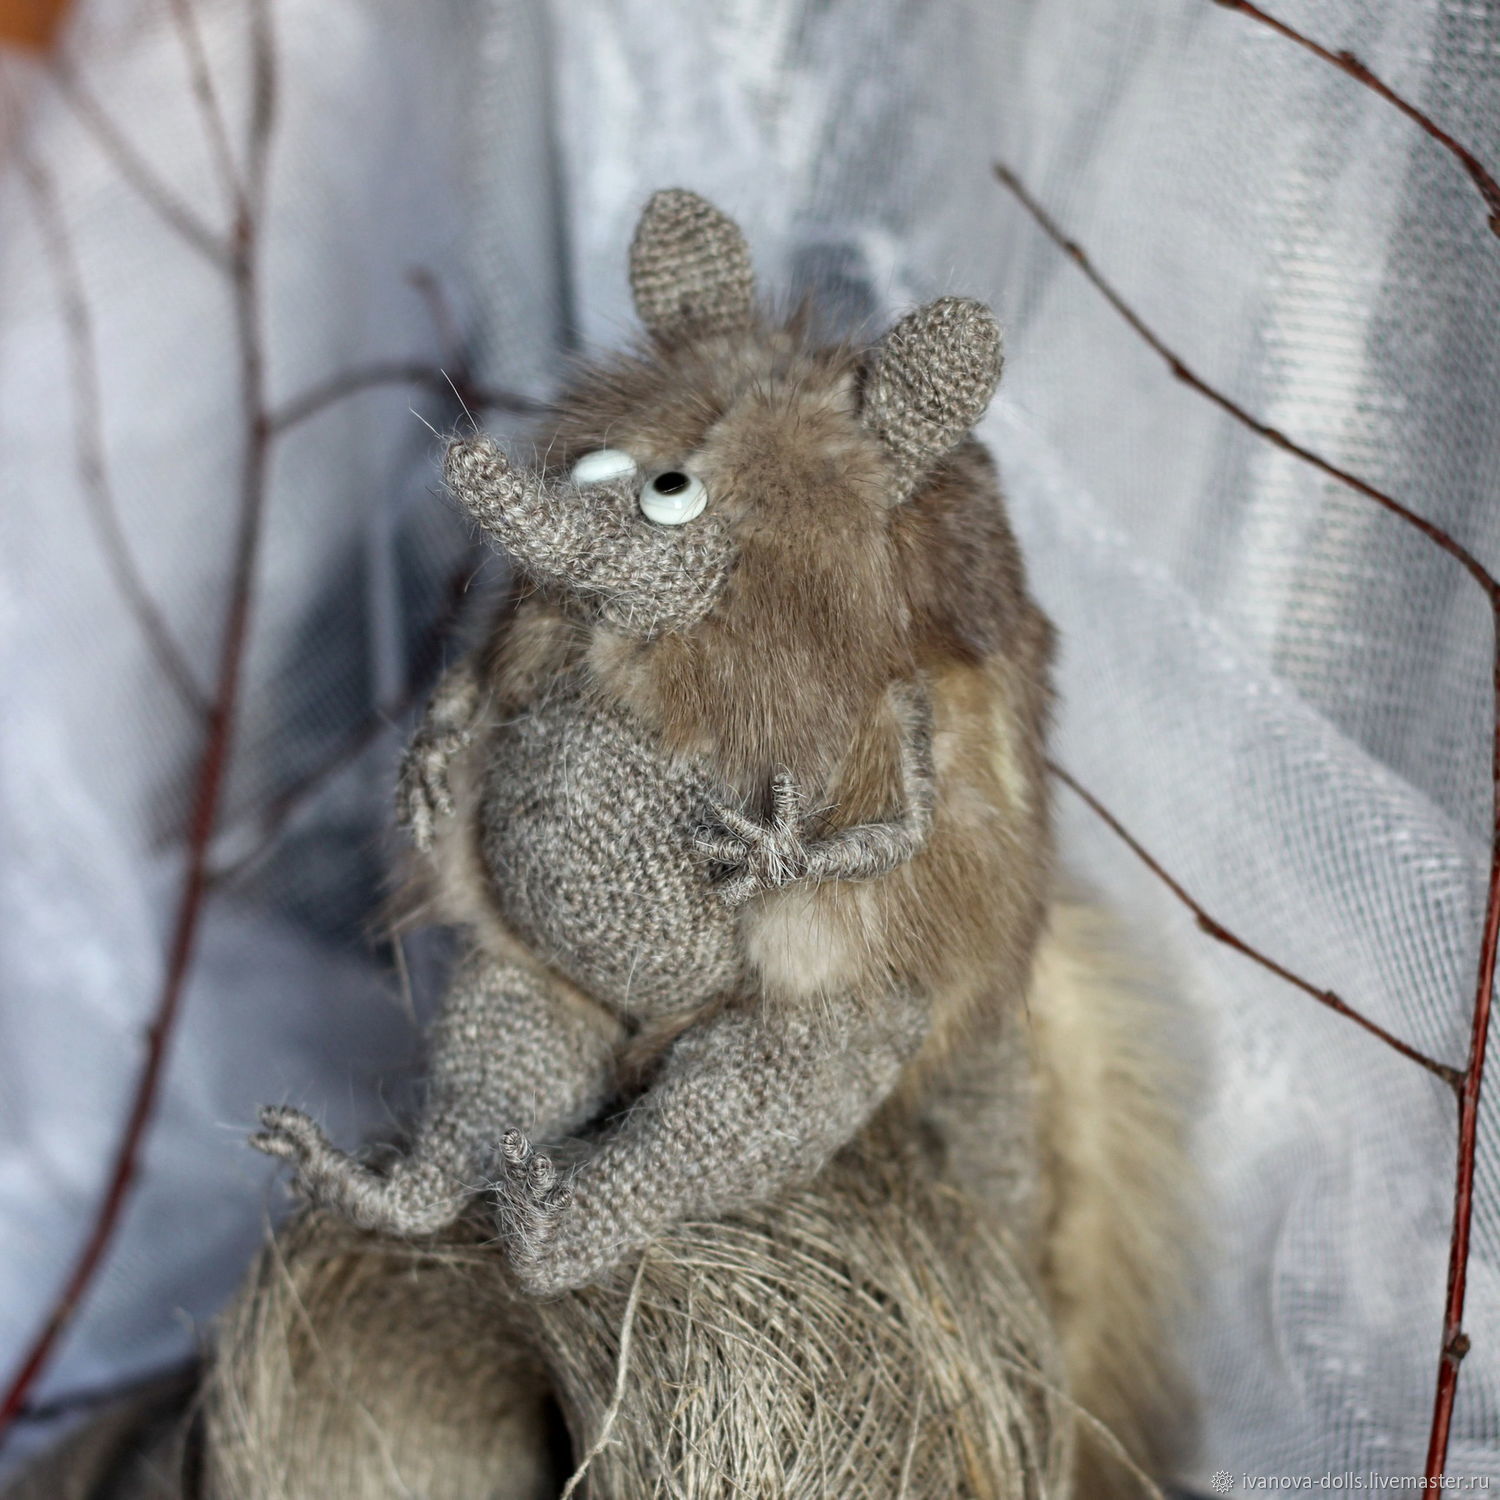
424	795
764	856
407	1203
532	1200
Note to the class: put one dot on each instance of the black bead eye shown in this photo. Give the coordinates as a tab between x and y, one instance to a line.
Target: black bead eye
672	497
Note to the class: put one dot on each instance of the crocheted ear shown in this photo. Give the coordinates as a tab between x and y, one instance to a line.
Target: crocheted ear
928	382
690	268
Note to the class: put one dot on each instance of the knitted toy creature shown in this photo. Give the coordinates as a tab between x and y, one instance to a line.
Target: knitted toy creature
743	811
743	804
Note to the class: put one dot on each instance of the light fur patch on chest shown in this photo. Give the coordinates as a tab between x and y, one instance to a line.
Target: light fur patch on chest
805	940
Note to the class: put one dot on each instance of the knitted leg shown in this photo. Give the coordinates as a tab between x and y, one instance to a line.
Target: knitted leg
747	1103
508	1048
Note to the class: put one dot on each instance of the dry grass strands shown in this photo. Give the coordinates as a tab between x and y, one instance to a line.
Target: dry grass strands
870	1336
351	1367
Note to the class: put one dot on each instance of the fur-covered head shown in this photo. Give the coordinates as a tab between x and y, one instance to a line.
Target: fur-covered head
790	527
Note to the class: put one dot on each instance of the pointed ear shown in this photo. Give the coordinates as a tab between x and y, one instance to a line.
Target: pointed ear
928	382
690	268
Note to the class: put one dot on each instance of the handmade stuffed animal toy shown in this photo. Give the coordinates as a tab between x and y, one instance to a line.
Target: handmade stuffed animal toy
743	804
786	1134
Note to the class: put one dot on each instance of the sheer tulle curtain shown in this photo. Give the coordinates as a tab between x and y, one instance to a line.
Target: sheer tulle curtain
1278	688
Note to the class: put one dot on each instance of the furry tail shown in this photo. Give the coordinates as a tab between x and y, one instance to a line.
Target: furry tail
1117	1245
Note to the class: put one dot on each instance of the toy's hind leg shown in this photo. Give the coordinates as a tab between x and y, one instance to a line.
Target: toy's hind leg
355	1368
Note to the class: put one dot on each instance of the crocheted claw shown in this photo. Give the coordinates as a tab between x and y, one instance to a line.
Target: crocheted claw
531	1200
412	1201
423	795
764	855
768	855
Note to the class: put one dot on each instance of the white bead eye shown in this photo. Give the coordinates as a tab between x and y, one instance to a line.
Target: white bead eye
672	497
602	464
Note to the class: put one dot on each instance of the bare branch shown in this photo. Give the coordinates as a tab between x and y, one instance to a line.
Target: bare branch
440	310
263	85
453	377
1220	933
185	19
1347	62
1434	533
134	168
241	260
88	441
180	1374
490	398
218	746
340	387
457	372
285	805
391	372
1469	1083
1455	1342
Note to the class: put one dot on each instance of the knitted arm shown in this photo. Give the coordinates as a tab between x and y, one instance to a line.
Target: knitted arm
505	1049
423	795
747	1103
767	856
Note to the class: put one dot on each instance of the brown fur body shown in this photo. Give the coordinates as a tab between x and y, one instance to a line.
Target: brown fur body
835	595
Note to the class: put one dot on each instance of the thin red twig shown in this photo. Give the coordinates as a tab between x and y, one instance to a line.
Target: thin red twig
200	76
239	258
394	372
339	387
1455	1342
88	442
1220	933
181	1374
1347	62
451	376
284	806
457	372
450	340
1179	368
134	168
219	738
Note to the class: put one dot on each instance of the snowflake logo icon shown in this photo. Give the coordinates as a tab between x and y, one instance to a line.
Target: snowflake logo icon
1222	1482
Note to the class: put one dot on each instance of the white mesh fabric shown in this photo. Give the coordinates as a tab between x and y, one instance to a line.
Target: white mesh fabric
1279	689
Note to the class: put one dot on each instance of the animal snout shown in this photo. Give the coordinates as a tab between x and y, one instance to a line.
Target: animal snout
472	459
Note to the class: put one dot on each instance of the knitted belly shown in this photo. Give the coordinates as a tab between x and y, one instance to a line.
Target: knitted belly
587	836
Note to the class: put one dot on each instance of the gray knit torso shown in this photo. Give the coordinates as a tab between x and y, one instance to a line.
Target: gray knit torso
587	837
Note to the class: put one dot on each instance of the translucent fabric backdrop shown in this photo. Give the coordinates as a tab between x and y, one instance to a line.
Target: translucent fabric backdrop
1277	687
